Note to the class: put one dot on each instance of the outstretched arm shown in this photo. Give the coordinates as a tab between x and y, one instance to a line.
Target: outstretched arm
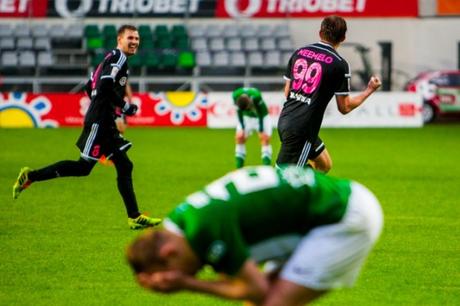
249	284
346	103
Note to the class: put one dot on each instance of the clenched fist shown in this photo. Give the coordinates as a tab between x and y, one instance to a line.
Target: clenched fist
374	83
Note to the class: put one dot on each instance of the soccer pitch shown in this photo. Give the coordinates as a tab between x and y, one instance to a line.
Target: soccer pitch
63	241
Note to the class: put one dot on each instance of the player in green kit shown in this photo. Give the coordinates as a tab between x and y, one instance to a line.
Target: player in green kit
252	115
238	221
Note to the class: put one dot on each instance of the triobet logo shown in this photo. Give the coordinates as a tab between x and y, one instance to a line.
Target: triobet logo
180	105
235	9
16	111
69	8
279	8
62	7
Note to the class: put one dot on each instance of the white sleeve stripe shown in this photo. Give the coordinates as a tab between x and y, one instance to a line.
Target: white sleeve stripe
107	77
121	60
286	78
344	93
171	226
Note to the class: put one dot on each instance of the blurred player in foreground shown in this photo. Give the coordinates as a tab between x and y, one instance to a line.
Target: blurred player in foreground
315	73
239	220
253	116
100	136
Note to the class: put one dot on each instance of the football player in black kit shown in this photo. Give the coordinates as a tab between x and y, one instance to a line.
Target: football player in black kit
100	136
315	73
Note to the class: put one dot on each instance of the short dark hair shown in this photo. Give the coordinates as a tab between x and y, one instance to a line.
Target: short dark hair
143	253
125	27
243	102
333	29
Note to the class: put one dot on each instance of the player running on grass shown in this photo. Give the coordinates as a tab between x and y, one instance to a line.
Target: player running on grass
100	136
252	115
240	220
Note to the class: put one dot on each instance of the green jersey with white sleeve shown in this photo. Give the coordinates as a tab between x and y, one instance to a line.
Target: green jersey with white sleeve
254	205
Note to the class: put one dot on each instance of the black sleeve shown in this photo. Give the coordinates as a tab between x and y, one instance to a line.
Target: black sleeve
111	66
344	75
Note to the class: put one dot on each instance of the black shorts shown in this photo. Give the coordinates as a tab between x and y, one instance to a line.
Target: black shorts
95	142
299	150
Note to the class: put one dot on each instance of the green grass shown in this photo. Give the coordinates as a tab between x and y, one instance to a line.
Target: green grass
62	241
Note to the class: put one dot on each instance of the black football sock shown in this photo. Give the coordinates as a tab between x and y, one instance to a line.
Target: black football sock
125	182
125	186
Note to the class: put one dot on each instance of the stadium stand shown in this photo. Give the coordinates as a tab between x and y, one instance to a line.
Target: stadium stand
193	50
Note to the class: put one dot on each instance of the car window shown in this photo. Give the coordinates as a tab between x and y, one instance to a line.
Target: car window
454	79
442	80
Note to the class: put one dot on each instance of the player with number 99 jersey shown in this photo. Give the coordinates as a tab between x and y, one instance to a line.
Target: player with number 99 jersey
316	73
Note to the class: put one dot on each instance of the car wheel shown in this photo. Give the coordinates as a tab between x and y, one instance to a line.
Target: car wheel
428	113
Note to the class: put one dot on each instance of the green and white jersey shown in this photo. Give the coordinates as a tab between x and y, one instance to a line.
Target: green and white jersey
254	205
259	109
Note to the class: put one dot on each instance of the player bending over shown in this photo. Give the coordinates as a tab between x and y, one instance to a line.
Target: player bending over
253	116
234	223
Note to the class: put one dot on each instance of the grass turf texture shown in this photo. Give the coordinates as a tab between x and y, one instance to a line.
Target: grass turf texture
62	241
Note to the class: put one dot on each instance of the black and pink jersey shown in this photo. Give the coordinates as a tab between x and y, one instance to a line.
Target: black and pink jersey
106	88
316	73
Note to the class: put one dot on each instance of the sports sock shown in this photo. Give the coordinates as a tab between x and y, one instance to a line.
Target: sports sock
125	183
125	187
240	155
266	154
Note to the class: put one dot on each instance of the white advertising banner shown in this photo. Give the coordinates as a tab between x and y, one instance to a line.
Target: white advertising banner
382	109
222	111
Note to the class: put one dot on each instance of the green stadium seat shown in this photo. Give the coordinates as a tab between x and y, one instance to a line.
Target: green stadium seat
109	31
161	31
186	60
92	30
94	43
97	58
152	60
147	44
135	64
110	43
179	30
182	43
135	61
168	59
145	32
164	42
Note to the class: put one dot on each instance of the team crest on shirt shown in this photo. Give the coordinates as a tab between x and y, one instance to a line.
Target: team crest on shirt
123	81
216	251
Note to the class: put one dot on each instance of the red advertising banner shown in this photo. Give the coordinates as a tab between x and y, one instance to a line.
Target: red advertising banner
315	8
449	7
23	8
55	110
